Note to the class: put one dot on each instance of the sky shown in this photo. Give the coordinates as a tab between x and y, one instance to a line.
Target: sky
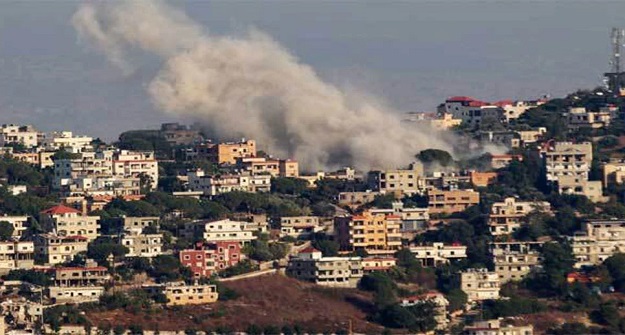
409	54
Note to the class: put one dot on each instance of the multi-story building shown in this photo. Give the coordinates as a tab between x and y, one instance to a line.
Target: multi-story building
409	181
439	121
78	284
220	230
507	216
142	245
20	224
138	223
502	161
16	255
213	185
226	153
592	189
134	164
54	249
23	313
451	201
14	134
613	173
579	117
598	241
209	258
472	112
310	265
67	221
375	233
514	109
412	218
532	135
371	264
439	302
508	138
299	226
446	179
66	140
515	260
497	327
480	284
180	294
438	253
273	167
357	199
176	134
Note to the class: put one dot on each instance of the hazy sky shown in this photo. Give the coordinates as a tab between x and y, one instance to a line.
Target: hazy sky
411	54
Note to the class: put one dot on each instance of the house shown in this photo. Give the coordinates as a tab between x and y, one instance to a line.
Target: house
370	264
451	201
78	284
274	167
138	224
219	230
213	185
439	302
497	327
141	244
15	134
375	233
54	249
516	259
310	265
471	111
299	226
480	284
65	140
208	258
403	181
67	221
438	253
23	313
226	153
483	179
413	219
597	242
502	161
176	134
20	223
580	117
16	255
507	216
181	294
357	199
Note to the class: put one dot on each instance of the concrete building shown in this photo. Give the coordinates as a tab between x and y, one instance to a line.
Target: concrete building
480	284
413	219
514	109
375	233
299	226
451	201
532	136
176	134
598	241
227	153
439	121
568	166
502	161
507	216
220	230
142	245
20	224
507	138
16	255
23	313
208	258
41	159
439	302
471	111
310	265
515	260
137	224
212	185
66	140
54	249
371	264
78	284
497	327
66	221
613	173
438	253
409	181
134	164
446	179
274	167
181	294
592	189
579	117
357	199
14	134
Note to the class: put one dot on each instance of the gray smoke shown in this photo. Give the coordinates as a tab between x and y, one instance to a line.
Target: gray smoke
251	86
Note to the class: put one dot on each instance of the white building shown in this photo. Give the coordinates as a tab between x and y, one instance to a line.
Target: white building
221	230
480	284
515	260
16	255
438	253
54	249
134	164
597	242
66	140
67	221
507	216
14	134
20	224
310	265
218	184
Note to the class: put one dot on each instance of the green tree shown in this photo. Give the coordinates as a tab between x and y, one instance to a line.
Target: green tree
430	156
6	230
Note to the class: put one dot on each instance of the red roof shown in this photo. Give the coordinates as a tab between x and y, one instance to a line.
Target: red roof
502	103
308	250
460	99
60	209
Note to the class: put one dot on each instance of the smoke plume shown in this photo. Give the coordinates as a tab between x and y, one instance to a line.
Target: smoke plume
251	86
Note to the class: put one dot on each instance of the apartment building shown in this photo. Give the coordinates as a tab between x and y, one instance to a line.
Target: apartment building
208	258
372	263
273	167
502	161
16	255
41	159
220	230
299	226
480	284
438	253
20	223
598	241
592	189
446	179
226	153
310	265
579	117
78	284
439	302
515	260
54	249
507	216
67	221
66	140
138	223
357	199
212	185
181	294
498	327
142	245
15	134
413	219
451	201
375	233
471	111
134	164
409	181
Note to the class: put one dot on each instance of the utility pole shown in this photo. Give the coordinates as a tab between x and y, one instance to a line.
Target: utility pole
615	76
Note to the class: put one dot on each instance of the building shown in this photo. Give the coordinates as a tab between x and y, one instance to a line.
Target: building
480	284
438	253
515	260
409	181
579	117
451	201
357	199
371	264
446	179
471	111
507	216
209	258
16	255
375	233
136	164
180	294
502	161
54	249
497	327
220	230
23	313
274	167
20	224
227	153
78	284
67	221
176	134
212	185
512	110
508	138
413	219
598	241
439	121
310	265
14	134
532	135
613	173
299	226
138	224
592	189
439	302
483	179
142	245
66	140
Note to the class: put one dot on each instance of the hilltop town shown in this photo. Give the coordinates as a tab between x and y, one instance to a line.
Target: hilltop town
168	230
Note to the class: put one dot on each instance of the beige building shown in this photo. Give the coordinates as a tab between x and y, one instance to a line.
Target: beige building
220	230
498	327
532	135
273	167
592	189
14	134
413	219
54	249
16	255
310	265
66	140
181	294
409	181
212	185
515	260
227	153
357	199
78	284
375	233
134	164
67	221
452	201
613	173
138	223
142	245
438	253
370	264
507	216
598	241
299	226
19	223
502	161
579	117
480	284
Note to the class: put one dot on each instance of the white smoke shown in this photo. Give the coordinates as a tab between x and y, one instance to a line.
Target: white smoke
251	86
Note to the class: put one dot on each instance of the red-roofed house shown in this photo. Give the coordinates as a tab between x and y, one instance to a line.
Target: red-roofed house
471	111
66	221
